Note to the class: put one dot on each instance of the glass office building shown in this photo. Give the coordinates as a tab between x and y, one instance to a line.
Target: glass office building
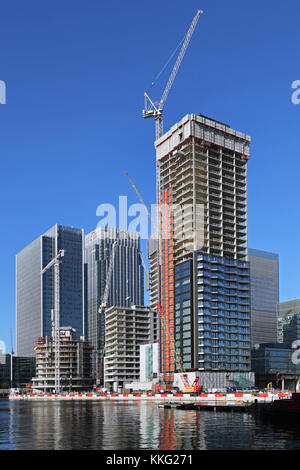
264	287
35	292
20	374
291	330
127	279
270	358
286	311
273	364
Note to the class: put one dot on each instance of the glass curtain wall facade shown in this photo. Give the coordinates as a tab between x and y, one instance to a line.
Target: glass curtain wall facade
286	312
23	369
71	278
184	322
35	293
212	306
272	362
264	287
223	313
127	280
291	331
29	295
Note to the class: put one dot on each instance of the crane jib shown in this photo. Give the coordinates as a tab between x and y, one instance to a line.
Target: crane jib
155	109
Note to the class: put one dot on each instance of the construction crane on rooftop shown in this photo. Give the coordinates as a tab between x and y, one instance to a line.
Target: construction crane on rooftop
56	261
155	109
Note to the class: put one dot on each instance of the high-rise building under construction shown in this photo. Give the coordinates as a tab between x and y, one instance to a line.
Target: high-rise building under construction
204	270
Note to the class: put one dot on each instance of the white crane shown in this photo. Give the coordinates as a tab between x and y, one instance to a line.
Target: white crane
56	261
140	198
153	225
108	279
155	109
102	308
11	359
167	330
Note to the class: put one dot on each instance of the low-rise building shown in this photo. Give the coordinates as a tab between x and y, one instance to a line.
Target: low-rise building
273	365
18	374
291	330
75	363
286	312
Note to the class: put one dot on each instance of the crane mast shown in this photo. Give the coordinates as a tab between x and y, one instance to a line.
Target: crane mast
140	198
55	262
168	334
155	109
11	359
108	278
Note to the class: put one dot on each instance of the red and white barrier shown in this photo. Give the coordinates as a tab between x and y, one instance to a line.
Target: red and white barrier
204	397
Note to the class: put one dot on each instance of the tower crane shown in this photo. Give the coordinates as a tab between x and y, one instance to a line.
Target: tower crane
102	308
140	198
169	335
155	109
108	278
56	261
144	206
11	359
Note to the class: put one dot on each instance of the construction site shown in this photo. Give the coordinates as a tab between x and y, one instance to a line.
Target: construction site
199	315
201	182
74	364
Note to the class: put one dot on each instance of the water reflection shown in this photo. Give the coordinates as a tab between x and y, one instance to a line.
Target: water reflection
132	425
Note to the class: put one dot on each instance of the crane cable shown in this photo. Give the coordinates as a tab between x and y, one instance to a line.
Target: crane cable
166	64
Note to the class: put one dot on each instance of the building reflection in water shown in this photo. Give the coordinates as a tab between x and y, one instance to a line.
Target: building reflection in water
181	430
102	425
135	425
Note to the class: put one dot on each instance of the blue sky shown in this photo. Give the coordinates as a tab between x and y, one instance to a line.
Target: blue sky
76	72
